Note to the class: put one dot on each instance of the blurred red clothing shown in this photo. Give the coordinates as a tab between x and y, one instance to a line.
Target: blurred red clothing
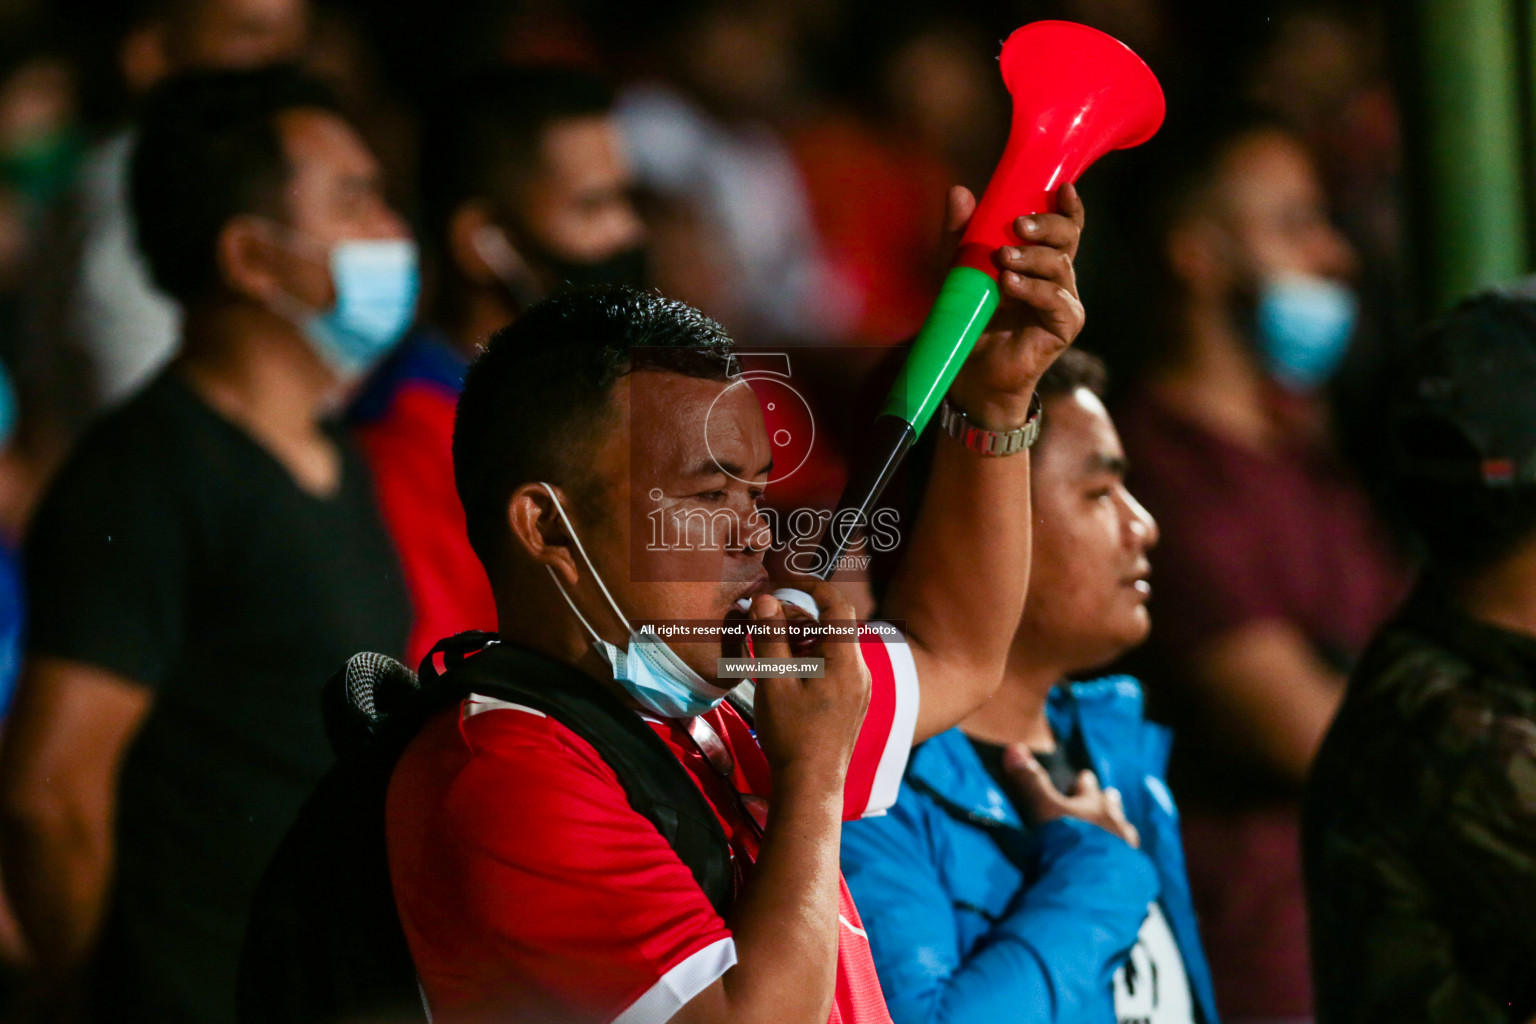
879	210
404	425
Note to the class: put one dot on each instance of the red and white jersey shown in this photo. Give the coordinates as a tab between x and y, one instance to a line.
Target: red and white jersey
530	890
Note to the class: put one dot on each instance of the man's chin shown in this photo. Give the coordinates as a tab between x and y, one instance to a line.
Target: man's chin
1129	632
703	656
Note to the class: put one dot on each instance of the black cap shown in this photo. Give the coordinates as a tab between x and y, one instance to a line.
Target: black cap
1466	412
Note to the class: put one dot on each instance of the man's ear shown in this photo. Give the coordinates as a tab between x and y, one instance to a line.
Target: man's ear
469	242
539	532
249	259
484	254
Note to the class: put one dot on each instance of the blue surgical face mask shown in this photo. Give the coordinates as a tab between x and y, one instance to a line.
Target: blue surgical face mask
648	670
1304	327
377	281
9	412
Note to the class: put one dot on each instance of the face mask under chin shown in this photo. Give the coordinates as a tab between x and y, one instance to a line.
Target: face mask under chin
648	670
376	282
530	272
1302	326
622	268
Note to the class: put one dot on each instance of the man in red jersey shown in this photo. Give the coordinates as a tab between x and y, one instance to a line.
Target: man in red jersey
528	886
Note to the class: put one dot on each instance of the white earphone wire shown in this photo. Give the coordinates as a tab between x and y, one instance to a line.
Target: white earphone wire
623	619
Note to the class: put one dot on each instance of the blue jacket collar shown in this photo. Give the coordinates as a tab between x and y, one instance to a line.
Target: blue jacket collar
1108	711
949	768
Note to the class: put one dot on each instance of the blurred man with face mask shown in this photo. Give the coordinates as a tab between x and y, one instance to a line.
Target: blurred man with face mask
527	193
1273	572
207	555
106	327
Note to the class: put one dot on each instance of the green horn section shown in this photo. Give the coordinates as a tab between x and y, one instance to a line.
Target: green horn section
959	315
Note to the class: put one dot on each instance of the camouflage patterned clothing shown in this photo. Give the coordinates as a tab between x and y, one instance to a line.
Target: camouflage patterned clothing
1420	829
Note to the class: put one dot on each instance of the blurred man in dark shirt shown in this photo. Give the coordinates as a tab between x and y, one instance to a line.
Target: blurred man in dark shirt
105	328
1421	810
526	191
1272	573
207	556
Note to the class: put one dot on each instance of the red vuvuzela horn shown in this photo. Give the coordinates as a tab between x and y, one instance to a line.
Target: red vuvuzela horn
1077	94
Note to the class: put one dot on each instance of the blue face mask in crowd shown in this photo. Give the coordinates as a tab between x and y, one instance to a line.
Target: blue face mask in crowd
377	281
648	670
9	412
1304	326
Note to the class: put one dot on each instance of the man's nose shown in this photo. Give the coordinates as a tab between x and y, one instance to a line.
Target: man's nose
1333	255
384	221
1141	524
756	534
626	229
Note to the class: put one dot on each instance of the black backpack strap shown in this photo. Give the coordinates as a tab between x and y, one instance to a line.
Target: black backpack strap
452	651
656	783
324	942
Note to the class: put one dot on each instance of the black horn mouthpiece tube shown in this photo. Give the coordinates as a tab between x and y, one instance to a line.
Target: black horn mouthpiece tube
887	445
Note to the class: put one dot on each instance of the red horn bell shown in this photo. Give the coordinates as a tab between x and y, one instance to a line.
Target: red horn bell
1077	94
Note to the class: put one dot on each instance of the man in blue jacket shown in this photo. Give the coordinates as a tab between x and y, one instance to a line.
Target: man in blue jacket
1031	870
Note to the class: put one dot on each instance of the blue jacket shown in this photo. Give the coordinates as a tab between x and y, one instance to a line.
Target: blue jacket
975	919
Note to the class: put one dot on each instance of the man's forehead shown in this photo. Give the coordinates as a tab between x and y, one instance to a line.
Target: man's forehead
1081	431
660	387
585	150
1263	171
679	424
319	140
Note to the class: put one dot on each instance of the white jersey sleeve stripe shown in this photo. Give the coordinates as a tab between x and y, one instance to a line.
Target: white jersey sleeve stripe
674	989
479	703
898	745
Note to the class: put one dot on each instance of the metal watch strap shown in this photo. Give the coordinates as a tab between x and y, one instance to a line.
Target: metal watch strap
954	422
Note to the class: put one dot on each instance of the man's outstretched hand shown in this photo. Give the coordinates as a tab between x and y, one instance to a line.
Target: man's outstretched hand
1039	317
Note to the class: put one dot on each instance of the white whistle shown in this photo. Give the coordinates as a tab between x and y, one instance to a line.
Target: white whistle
799	599
790	596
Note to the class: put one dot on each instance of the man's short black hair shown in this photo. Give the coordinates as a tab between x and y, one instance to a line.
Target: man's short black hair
537	397
483	139
209	149
1073	369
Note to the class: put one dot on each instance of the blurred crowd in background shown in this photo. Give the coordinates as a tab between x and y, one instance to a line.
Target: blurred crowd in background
783	168
787	155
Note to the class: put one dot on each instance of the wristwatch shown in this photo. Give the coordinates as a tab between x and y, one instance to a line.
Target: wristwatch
958	425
